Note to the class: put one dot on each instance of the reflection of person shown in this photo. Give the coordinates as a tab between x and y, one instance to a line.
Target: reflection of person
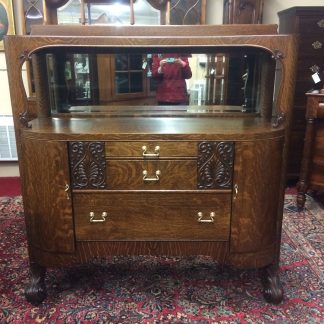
170	71
3	22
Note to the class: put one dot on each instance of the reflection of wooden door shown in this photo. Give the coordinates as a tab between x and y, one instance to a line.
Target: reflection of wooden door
216	79
125	79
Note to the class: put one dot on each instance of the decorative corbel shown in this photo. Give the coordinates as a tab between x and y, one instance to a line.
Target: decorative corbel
23	117
280	119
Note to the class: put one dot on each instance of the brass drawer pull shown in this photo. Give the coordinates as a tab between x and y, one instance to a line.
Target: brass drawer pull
317	45
321	23
101	220
235	191
201	215
66	189
148	179
148	154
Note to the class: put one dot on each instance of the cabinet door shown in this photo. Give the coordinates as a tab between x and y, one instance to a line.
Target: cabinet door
47	206
257	180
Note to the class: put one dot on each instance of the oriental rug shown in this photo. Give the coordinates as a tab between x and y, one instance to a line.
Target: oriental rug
148	289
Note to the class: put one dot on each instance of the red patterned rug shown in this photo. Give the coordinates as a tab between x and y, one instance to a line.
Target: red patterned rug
166	290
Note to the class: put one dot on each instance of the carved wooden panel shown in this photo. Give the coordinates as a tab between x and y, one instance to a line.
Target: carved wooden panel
215	165
88	165
243	11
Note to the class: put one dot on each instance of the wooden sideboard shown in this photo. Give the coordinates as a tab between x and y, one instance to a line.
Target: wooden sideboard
308	24
163	180
312	166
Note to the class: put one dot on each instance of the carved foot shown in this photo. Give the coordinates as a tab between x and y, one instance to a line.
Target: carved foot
301	198
301	195
35	292
272	289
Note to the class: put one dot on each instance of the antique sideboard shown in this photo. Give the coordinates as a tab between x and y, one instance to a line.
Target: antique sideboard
107	177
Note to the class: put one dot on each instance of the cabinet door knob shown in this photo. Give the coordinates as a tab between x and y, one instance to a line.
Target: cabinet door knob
150	179
100	220
207	220
156	152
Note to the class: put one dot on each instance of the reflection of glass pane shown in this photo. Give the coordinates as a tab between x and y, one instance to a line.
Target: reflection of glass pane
121	82
121	62
136	80
135	62
33	13
69	13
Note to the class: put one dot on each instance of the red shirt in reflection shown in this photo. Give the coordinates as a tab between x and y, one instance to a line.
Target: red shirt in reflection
170	71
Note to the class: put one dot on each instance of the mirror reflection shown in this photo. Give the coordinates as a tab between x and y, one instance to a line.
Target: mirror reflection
237	79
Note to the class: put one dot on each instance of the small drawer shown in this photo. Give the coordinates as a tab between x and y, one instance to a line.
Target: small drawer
150	150
312	25
151	175
152	216
312	46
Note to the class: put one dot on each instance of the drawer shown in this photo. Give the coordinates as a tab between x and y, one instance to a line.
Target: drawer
152	216
312	25
150	149
311	46
162	174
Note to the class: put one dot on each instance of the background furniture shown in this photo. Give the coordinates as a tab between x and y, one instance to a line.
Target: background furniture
312	166
103	180
242	11
308	23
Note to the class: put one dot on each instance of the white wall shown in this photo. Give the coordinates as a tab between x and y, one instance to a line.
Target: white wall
5	104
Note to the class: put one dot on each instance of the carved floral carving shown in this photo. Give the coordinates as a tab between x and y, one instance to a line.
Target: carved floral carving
215	165
88	165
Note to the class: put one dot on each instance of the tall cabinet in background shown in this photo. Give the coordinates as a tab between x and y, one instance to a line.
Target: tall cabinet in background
308	23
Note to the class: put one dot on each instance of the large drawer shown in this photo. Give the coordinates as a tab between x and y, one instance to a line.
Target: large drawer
151	175
151	149
152	216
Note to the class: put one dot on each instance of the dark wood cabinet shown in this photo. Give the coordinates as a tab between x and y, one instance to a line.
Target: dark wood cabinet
174	180
308	24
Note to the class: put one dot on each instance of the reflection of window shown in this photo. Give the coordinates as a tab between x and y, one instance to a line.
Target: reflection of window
128	73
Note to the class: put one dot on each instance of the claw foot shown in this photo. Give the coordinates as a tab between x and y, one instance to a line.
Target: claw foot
35	292
272	289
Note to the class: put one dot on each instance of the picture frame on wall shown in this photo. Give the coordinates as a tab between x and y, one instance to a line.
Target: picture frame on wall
7	25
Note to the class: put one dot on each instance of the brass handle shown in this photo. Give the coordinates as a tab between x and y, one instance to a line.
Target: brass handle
235	191
66	189
201	215
320	23
317	45
155	178
100	220
148	154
